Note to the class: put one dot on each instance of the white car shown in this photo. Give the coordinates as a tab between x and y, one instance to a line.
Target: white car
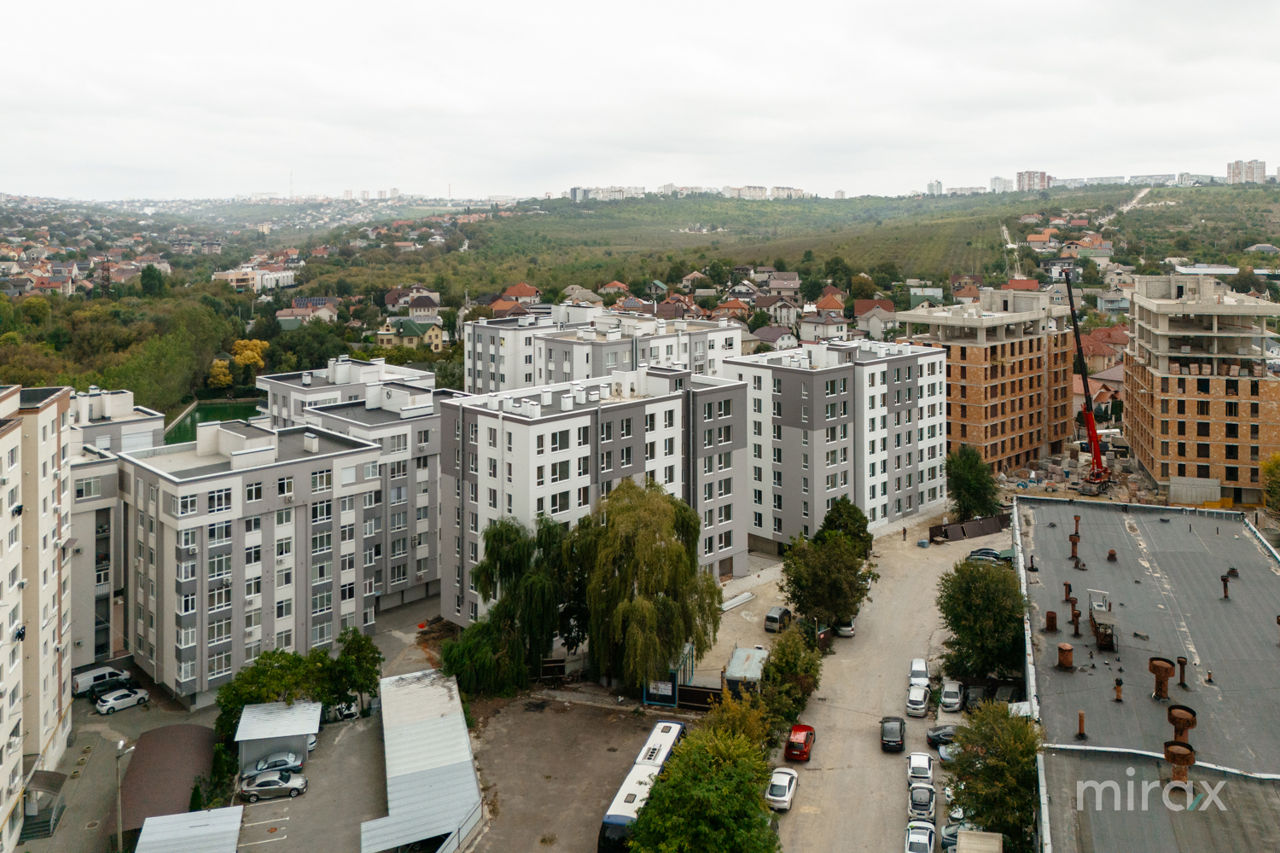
782	789
919	673
952	695
919	768
920	836
113	702
917	701
920	799
846	627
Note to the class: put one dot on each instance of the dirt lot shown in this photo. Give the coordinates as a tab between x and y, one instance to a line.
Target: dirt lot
550	768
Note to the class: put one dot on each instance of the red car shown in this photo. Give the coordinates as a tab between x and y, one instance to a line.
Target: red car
799	743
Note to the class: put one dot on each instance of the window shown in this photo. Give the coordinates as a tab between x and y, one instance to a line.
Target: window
624	428
219	663
284	516
89	488
253	525
187	604
220	500
322	543
284	576
321	511
220	533
321	634
322	481
187	505
219	599
322	602
219	566
284	486
186	637
253	492
284	608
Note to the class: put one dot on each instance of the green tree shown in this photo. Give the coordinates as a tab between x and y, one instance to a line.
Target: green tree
747	716
758	319
718	271
845	517
151	281
35	310
358	667
826	582
1271	481
275	675
645	593
982	606
710	796
995	772
791	674
973	489
523	566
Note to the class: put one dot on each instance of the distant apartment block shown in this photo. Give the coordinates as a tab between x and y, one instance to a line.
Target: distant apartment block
1002	185
14	582
1029	182
1247	172
857	419
934	188
1008	373
555	451
243	540
1204	411
523	352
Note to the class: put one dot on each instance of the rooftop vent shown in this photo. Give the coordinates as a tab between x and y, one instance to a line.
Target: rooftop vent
311	442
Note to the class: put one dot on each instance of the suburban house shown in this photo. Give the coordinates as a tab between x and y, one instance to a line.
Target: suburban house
967	293
784	311
783	284
1114	303
424	308
874	317
693	280
824	326
744	290
677	306
524	293
778	337
577	294
407	332
293	318
614	287
829	302
732	308
508	308
1027	284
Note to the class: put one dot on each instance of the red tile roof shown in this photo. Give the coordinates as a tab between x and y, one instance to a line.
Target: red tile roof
521	290
830	302
1021	284
862	306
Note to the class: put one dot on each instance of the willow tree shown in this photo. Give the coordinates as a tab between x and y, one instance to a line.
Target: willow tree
646	595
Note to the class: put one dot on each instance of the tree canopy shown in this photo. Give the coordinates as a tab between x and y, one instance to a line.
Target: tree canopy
827	581
845	517
710	796
995	772
646	595
973	489
982	606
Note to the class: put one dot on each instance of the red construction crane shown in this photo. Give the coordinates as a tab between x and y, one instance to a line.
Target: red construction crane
1099	475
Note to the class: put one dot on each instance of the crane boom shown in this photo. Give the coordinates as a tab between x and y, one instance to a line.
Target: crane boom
1099	474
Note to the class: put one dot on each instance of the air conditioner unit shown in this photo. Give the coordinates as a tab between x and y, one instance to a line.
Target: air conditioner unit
288	499
77	550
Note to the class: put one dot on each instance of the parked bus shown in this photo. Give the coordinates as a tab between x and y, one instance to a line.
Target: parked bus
634	792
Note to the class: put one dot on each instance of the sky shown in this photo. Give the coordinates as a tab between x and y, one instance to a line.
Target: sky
199	100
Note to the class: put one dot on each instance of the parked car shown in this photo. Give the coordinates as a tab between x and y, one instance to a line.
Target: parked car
276	761
950	835
111	685
113	702
955	814
345	711
938	735
952	695
273	783
919	676
800	743
82	682
917	701
984	552
777	619
920	837
893	734
782	789
845	627
311	743
1006	693
920	799
984	558
919	768
974	695
947	752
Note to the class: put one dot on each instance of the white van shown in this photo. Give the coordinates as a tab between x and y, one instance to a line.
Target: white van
81	682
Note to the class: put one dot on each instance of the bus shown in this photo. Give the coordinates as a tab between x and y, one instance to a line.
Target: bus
634	792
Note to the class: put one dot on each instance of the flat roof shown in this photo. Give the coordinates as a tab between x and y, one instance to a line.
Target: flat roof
746	663
183	462
278	719
1165	596
212	831
432	788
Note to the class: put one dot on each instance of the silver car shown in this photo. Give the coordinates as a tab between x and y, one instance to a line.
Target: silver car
286	761
917	701
952	695
920	800
119	699
273	783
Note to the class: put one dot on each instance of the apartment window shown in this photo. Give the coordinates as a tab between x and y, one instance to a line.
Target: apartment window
90	487
321	511
187	604
322	634
284	576
186	637
584	436
322	481
284	608
284	486
220	533
219	566
219	663
321	602
253	525
253	492
219	599
220	500
188	505
322	543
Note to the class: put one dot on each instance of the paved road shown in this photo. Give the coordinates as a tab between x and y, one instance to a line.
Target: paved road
852	796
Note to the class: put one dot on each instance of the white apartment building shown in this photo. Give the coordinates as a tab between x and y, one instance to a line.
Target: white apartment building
13	585
102	423
343	379
242	540
498	353
37	491
404	421
857	419
555	451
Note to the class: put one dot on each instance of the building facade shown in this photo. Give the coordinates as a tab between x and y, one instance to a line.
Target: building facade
1008	373
1204	410
343	379
860	420
243	540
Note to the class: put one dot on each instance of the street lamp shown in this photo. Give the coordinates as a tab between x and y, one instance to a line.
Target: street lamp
121	752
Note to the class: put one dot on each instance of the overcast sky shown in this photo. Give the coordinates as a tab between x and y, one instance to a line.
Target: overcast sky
188	99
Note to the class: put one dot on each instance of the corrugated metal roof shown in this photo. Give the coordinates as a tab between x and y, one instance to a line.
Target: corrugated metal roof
213	831
431	782
278	719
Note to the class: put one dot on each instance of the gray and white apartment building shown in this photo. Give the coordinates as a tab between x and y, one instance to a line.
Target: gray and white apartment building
556	450
404	421
525	352
343	379
102	423
857	419
243	540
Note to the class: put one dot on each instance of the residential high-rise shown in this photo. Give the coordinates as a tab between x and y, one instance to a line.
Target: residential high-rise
1203	410
856	419
1002	185
934	188
554	451
1029	182
342	380
1008	373
14	625
242	540
1247	172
